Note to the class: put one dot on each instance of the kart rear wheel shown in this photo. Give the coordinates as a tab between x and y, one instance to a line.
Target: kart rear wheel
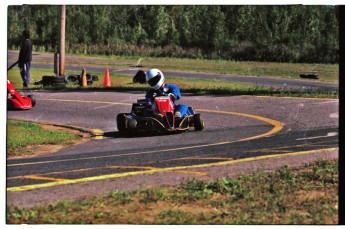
121	122
33	100
198	122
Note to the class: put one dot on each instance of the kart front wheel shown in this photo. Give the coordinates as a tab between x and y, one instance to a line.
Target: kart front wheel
33	100
198	122
121	122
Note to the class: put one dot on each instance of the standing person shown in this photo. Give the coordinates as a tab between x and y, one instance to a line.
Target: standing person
155	79
25	57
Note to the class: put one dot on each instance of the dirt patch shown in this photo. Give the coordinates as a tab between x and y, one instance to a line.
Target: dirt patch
304	195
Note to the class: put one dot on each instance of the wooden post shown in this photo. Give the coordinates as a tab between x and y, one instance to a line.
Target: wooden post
62	40
56	64
83	78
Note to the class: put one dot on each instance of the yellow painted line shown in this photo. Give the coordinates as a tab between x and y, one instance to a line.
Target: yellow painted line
131	167
51	173
197	158
98	134
277	126
35	177
201	174
153	171
272	151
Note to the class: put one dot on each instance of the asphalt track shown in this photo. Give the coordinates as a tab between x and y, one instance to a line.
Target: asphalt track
237	128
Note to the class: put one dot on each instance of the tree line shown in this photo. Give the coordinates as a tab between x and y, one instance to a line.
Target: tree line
284	33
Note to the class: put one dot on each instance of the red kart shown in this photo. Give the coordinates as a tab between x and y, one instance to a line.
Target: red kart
163	119
17	101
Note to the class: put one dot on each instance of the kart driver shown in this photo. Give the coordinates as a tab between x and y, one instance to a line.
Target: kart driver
155	78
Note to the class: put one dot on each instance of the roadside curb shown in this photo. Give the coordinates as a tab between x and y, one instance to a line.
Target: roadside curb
94	133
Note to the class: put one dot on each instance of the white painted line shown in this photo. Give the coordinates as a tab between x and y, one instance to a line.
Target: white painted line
331	134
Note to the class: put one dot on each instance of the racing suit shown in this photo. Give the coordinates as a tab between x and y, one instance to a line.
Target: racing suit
166	89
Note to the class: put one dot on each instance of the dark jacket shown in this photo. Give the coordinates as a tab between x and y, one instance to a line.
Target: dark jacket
25	54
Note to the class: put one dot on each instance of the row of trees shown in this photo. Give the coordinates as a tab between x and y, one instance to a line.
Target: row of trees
291	33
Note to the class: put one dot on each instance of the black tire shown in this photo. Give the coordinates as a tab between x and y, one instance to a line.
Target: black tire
309	75
88	77
198	122
73	79
53	81
89	82
33	100
121	122
95	78
38	82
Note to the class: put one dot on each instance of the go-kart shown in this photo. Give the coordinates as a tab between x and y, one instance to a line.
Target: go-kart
162	120
17	101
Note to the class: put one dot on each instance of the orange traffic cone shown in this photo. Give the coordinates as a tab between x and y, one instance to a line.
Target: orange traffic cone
106	78
83	78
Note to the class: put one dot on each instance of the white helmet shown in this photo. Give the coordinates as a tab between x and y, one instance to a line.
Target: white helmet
155	78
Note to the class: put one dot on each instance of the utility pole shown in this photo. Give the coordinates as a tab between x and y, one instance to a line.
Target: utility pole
62	40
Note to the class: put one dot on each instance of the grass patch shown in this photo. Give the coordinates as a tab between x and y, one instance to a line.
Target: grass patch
307	195
21	134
